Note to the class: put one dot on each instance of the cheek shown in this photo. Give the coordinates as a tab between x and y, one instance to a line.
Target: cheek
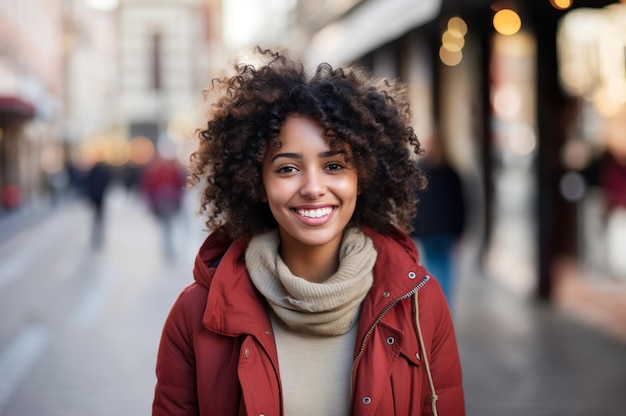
350	186
274	192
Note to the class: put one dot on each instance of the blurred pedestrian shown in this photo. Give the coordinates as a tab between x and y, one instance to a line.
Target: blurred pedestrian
613	181
96	183
11	196
58	184
162	183
440	219
305	300
130	174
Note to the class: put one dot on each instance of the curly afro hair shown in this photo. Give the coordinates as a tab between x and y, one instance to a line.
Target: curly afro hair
370	115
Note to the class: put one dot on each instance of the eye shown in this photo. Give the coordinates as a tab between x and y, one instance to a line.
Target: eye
333	166
286	169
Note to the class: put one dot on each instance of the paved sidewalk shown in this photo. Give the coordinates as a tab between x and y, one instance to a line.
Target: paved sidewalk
523	358
519	357
12	222
81	327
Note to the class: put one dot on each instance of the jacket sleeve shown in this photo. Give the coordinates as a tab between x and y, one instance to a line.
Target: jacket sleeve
176	391
444	360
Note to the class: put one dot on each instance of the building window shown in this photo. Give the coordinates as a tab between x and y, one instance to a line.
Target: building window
155	61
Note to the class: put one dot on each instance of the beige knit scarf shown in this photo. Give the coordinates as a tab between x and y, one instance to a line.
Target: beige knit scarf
328	308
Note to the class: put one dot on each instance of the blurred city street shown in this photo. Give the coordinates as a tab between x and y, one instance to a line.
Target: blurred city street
101	102
80	328
524	358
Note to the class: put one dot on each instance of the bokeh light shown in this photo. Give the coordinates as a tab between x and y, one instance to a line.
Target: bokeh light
457	27
561	4
507	101
573	186
453	41
507	22
450	58
141	150
522	139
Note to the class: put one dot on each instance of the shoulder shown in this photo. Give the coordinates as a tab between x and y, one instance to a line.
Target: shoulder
193	293
188	308
395	250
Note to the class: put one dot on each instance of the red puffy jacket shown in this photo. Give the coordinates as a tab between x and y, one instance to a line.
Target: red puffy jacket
218	357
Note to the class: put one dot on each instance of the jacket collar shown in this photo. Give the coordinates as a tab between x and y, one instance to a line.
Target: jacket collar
235	307
397	273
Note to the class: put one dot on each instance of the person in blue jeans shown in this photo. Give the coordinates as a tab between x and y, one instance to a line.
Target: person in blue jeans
440	219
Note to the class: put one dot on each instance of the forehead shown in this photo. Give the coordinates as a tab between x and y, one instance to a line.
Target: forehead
306	133
297	125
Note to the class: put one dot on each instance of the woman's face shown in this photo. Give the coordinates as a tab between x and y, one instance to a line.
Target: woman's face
311	189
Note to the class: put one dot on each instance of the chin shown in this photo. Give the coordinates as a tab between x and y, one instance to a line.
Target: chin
313	238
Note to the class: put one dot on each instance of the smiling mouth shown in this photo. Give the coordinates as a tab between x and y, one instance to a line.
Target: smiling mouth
314	213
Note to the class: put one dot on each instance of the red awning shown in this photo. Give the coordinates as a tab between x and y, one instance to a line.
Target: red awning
16	106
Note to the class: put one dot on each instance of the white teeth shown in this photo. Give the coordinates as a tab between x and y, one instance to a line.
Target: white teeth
315	213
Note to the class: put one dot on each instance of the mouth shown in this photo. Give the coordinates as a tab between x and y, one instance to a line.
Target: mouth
314	213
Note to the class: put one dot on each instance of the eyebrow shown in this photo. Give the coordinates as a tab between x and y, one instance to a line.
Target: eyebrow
322	155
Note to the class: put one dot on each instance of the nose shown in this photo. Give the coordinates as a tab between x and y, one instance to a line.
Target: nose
312	185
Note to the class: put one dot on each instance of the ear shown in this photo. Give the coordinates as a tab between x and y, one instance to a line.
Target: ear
263	194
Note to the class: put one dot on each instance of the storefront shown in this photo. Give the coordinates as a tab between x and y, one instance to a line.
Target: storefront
496	83
14	114
592	71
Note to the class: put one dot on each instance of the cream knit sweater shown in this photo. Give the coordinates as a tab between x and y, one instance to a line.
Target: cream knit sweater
314	323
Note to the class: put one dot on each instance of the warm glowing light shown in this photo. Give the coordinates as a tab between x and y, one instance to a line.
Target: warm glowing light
605	102
457	27
451	42
450	58
561	4
97	149
507	22
576	154
141	150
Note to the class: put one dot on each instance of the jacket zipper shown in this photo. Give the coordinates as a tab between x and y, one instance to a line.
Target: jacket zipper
371	329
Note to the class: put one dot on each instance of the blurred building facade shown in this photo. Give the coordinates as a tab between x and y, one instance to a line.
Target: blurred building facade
31	97
165	57
79	79
90	71
525	97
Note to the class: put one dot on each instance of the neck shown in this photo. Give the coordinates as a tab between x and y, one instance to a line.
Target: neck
315	264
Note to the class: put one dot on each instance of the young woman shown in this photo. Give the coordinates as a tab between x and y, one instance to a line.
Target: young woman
305	300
